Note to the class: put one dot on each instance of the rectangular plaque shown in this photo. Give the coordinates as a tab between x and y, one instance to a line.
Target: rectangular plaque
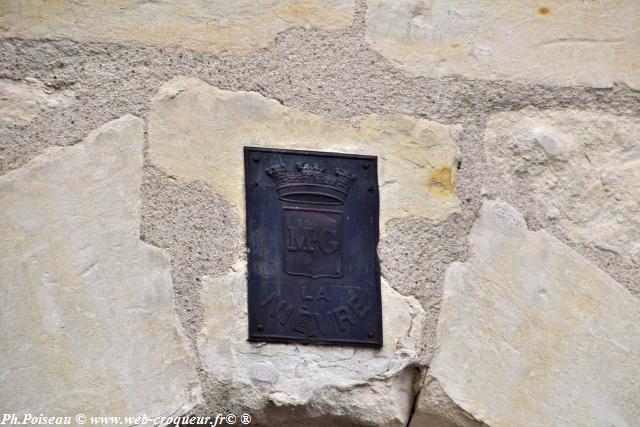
312	233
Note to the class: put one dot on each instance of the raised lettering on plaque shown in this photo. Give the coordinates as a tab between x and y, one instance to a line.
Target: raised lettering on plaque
312	232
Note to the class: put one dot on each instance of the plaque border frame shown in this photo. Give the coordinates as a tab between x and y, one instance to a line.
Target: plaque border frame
378	340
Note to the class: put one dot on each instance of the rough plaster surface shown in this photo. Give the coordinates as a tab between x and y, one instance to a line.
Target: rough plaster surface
414	255
200	231
557	42
548	341
87	323
304	383
335	74
197	132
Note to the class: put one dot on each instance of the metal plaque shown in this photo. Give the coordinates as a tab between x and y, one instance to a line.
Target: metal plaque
312	233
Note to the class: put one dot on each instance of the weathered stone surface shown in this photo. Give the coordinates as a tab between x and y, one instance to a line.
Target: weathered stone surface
293	383
583	167
197	131
581	43
87	323
21	101
533	334
209	26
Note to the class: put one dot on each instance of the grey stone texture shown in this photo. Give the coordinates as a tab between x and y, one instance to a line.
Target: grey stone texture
334	73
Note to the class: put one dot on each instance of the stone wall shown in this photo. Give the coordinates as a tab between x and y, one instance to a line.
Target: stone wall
507	135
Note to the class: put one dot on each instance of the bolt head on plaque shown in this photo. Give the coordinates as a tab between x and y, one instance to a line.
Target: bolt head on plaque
312	233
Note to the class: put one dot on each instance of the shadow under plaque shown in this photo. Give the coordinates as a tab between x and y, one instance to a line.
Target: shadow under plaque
312	233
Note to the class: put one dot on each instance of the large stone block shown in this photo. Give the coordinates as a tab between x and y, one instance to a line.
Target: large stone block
293	384
591	43
533	334
197	131
209	26
87	322
583	167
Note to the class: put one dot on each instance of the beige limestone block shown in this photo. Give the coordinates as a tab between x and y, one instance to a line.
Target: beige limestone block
206	25
87	322
22	100
433	408
353	386
197	131
557	42
532	334
583	167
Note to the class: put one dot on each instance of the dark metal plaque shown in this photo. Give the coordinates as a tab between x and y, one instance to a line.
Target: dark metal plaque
312	233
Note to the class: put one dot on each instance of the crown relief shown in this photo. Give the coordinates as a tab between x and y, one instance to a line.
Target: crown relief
311	184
